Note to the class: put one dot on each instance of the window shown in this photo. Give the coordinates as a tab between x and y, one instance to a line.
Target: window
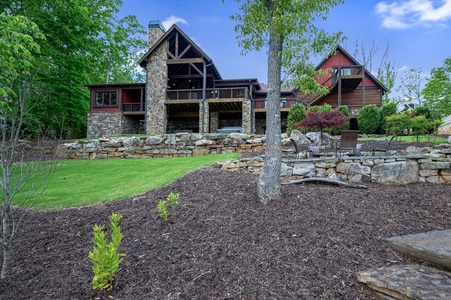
106	98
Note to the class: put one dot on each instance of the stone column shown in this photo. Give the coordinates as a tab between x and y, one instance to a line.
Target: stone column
214	121
157	74
247	116
206	116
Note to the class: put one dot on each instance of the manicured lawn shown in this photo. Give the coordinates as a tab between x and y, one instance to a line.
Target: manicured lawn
84	182
410	138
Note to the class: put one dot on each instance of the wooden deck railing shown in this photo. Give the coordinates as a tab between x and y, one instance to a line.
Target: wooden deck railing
218	93
133	107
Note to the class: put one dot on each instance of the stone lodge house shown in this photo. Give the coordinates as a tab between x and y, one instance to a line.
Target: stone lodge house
185	92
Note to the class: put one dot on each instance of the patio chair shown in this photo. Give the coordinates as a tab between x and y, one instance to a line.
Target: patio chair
348	140
356	151
385	147
315	152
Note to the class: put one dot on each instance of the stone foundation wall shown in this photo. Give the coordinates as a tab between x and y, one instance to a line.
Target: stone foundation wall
104	123
409	166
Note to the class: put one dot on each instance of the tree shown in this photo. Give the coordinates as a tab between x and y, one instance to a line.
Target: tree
18	85
85	43
387	109
286	28
385	70
437	91
411	86
296	114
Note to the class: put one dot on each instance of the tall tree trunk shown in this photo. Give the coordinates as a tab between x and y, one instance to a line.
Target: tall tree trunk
6	245
268	186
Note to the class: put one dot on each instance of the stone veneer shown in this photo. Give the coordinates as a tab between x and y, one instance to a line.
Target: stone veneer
157	71
112	123
104	123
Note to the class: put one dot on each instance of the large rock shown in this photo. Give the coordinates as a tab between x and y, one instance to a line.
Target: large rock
433	247
402	172
304	169
408	282
299	137
444	128
320	138
155	140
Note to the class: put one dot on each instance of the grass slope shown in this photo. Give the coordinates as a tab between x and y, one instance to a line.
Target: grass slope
84	182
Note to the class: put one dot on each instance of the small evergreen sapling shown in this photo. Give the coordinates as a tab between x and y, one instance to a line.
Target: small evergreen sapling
105	257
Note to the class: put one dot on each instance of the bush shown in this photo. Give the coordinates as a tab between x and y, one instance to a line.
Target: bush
387	109
321	109
296	114
398	124
104	257
369	119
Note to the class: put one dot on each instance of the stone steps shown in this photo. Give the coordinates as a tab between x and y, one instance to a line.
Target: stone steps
415	281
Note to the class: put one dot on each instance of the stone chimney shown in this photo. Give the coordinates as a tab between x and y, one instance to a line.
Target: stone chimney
156	30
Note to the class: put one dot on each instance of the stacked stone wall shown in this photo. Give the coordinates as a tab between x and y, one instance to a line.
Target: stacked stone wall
400	167
104	123
404	167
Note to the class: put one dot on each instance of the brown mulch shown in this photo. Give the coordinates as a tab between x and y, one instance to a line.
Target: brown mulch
222	243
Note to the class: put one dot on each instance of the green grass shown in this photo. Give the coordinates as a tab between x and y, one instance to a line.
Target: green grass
411	138
85	182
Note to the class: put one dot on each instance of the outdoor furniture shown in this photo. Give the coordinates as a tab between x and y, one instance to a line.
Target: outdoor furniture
348	140
315	152
356	151
384	148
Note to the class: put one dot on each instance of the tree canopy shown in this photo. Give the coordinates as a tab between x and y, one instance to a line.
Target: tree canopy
85	43
437	92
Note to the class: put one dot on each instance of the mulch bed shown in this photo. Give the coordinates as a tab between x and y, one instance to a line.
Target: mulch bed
222	243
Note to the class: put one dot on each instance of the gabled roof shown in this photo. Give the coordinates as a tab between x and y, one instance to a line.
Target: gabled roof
341	50
168	34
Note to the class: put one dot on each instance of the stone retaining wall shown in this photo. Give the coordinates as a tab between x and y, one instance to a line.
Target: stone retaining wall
166	145
409	166
400	167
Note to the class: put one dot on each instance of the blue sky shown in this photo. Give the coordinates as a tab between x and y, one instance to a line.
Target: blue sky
417	32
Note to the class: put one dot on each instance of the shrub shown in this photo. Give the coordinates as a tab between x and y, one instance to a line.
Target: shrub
420	126
321	108
325	120
296	114
173	200
398	124
105	257
369	119
387	109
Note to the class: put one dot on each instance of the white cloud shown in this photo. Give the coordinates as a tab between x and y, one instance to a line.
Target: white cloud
403	69
173	20
409	13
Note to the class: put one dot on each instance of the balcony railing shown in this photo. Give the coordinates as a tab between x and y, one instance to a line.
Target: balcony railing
133	107
284	102
196	94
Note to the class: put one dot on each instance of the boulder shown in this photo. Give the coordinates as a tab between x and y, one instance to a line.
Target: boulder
433	246
299	137
304	169
403	172
444	128
155	140
320	138
239	136
204	142
408	282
